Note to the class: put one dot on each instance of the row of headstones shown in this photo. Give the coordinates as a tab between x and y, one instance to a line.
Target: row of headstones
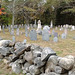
45	36
72	27
11	28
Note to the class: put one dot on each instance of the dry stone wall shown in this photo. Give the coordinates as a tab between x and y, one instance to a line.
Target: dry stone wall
32	59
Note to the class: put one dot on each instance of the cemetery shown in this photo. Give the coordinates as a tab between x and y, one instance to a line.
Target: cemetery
37	37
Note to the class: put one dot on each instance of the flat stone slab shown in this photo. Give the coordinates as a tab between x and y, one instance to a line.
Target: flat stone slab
47	52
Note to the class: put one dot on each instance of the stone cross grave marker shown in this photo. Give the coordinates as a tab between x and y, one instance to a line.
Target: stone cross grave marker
55	39
33	35
45	35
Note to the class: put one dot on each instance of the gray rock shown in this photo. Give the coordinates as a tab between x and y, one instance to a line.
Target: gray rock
50	73
54	59
42	69
66	62
10	64
5	50
59	70
36	48
28	57
1	56
5	43
36	53
46	53
72	72
70	57
19	52
20	61
28	74
38	62
34	70
16	68
50	67
58	59
18	45
21	56
25	68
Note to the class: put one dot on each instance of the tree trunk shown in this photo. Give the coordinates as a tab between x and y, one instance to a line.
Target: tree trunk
13	15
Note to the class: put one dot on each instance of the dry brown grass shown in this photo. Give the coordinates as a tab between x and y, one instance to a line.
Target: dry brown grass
62	47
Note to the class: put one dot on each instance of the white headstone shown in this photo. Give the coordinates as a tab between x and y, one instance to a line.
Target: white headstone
46	28
17	31
65	31
55	39
39	24
0	28
51	26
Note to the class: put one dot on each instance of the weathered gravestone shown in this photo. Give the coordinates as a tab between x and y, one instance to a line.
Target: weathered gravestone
26	31
9	28
31	26
15	26
24	42
65	31
63	36
55	39
33	35
13	39
17	31
12	31
55	34
0	28
3	29
46	28
45	35
35	24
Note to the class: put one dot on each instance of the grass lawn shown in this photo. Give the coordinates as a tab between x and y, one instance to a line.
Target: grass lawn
62	47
